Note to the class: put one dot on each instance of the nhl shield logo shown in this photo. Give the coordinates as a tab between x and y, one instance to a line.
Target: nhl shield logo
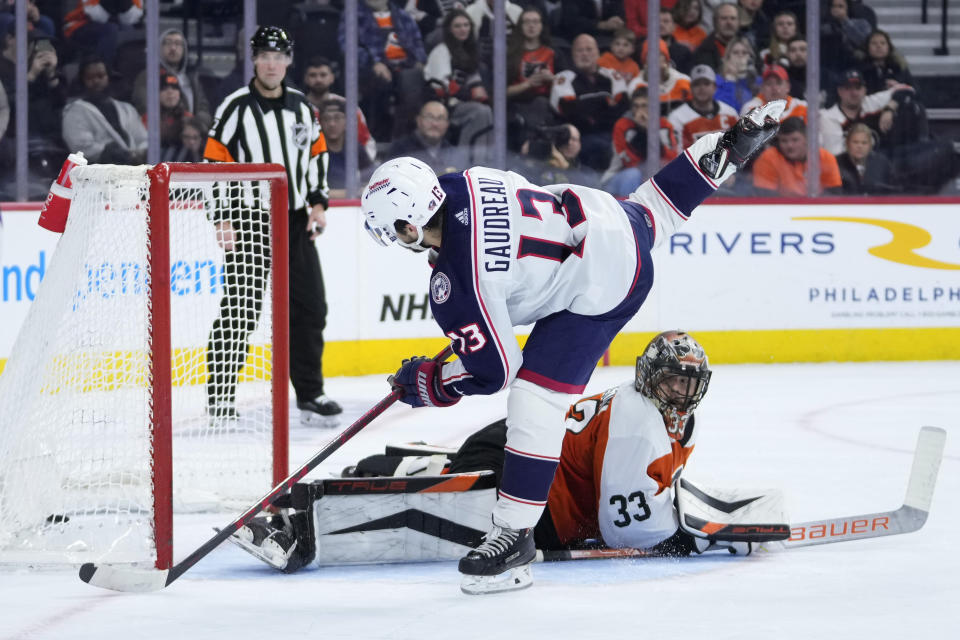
301	135
440	287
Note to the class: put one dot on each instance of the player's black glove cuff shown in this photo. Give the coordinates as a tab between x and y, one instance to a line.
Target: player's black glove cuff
739	143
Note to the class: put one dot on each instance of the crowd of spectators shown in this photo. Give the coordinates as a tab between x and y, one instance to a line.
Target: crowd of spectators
576	88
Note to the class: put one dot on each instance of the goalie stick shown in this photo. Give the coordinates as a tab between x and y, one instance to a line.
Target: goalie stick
908	518
126	578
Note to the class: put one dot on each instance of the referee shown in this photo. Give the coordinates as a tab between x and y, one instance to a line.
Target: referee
267	121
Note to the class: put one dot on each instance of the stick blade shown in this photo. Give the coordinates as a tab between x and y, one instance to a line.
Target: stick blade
926	465
126	579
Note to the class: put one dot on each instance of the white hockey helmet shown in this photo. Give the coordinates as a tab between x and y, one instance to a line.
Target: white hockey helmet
400	189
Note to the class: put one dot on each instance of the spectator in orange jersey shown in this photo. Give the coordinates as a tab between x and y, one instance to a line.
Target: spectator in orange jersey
674	86
776	86
687	14
630	146
620	56
530	68
702	114
781	170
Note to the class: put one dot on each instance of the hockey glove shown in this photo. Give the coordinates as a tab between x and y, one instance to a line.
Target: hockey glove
739	143
419	379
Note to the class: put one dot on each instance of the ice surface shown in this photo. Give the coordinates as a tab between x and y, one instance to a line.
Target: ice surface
836	438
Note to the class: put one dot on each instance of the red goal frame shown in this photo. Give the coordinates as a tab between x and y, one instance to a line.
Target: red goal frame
160	177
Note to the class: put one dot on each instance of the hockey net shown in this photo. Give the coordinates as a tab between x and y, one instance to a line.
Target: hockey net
117	405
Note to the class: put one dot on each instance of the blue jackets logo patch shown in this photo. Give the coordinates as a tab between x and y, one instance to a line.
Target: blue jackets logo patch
440	287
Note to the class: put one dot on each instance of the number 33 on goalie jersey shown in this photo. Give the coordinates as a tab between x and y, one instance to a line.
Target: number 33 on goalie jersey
616	471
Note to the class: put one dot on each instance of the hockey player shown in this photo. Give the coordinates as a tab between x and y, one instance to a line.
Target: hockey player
616	486
622	451
572	260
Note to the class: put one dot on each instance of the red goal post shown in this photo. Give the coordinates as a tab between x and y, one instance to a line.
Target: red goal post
112	418
161	176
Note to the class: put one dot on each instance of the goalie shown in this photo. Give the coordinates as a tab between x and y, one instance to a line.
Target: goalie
618	485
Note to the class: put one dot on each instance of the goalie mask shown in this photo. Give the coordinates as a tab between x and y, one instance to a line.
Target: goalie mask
674	373
402	189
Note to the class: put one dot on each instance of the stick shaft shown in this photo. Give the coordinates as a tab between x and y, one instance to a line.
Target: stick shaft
88	570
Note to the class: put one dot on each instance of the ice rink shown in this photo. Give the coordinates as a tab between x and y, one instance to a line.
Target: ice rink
837	439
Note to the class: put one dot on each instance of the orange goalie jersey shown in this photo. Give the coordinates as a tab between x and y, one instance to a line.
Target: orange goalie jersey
616	471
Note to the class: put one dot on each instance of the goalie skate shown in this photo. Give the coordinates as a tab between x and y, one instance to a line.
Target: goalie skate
265	542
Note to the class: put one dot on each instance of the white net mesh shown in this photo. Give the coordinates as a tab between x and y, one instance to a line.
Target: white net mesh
76	449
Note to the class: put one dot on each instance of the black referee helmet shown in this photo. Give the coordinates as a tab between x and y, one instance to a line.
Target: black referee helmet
271	39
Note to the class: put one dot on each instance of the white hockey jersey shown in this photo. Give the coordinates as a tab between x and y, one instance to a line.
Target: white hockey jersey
616	471
514	253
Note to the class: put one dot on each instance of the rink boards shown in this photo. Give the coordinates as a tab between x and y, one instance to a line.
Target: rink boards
755	282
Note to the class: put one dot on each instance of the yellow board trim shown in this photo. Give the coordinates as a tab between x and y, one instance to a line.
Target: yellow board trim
366	357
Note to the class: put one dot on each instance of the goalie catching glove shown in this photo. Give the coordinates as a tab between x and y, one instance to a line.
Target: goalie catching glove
420	380
739	143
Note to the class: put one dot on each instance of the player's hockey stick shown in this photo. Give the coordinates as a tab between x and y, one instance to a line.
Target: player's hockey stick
126	578
910	517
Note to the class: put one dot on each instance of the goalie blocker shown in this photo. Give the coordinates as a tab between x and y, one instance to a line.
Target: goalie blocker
398	518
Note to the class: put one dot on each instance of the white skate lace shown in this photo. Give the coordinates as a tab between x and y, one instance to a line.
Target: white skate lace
497	542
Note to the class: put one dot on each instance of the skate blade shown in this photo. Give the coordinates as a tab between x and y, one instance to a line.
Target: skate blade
311	419
269	552
511	580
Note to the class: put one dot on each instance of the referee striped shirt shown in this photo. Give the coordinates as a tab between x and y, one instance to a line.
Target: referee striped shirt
251	128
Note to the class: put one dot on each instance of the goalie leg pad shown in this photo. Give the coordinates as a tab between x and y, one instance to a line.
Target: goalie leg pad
401	519
723	515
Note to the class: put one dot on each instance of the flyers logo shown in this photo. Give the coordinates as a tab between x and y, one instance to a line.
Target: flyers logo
900	249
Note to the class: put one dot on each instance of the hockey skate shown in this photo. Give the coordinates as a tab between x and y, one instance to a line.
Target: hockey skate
221	416
284	543
500	563
319	412
744	139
